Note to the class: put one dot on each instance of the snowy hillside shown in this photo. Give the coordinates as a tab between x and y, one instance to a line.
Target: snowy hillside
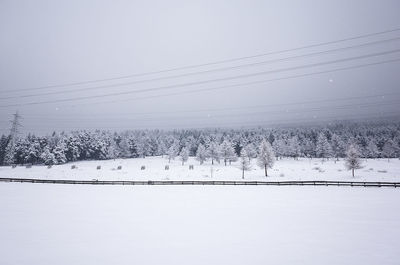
285	169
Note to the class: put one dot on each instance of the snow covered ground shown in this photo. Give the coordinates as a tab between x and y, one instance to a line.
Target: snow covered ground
285	169
78	224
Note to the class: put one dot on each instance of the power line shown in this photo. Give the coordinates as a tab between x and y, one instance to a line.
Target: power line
201	72
237	85
248	123
206	81
211	63
235	115
294	121
382	95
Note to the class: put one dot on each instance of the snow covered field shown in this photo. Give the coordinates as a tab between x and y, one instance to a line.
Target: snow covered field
285	169
73	224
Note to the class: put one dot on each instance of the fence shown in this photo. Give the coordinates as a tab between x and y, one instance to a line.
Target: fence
208	182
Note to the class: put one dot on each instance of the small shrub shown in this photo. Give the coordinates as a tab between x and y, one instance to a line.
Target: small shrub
13	165
142	167
98	167
28	166
49	166
191	167
73	167
281	175
119	167
166	167
382	171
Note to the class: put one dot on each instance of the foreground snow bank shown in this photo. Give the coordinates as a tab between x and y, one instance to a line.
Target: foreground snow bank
285	169
62	224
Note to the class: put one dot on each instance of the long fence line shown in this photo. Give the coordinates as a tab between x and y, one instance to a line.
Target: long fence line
207	182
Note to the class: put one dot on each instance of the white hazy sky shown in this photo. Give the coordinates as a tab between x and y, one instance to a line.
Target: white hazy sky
51	43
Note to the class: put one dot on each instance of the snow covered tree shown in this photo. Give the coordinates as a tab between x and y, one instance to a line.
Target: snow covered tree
388	150
266	156
250	151
279	147
353	159
184	155
201	154
238	147
127	147
308	147
323	148
372	150
47	157
98	145
21	150
3	145
59	153
124	147
84	145
214	152
112	150
74	146
191	144
227	151
293	147
173	151
162	149
152	146
244	163
338	146
142	146
32	151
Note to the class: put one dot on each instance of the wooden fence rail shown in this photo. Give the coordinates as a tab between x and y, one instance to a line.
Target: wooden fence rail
205	182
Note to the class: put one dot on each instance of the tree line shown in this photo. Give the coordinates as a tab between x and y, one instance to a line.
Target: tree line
372	140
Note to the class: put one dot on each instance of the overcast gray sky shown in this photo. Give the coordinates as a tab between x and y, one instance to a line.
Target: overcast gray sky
52	43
